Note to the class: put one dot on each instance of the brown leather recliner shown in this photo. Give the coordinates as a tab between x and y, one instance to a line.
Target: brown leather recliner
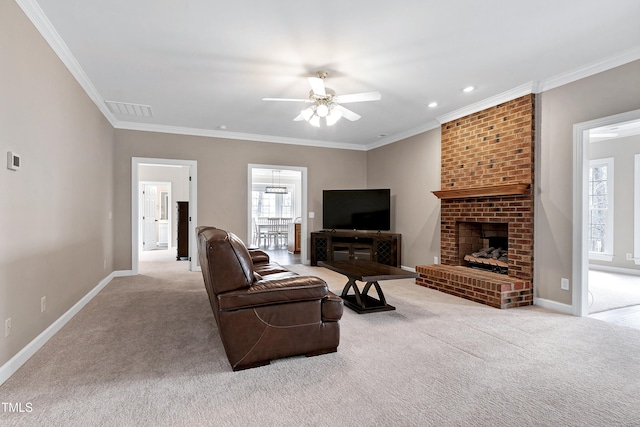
263	310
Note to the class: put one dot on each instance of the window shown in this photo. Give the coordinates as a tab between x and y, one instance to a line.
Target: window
265	205
601	209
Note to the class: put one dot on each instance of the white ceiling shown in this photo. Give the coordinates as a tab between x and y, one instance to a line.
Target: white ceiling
204	66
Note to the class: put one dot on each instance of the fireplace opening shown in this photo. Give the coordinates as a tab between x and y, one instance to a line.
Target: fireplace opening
484	246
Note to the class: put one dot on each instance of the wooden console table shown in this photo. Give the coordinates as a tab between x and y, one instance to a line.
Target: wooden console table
383	248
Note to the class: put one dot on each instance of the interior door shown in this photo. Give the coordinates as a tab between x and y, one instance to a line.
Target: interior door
150	233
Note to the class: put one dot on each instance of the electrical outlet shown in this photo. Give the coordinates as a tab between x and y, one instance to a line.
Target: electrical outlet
105	263
43	304
435	259
7	327
629	257
564	284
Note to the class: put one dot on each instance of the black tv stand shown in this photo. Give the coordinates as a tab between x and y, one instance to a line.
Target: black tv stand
376	246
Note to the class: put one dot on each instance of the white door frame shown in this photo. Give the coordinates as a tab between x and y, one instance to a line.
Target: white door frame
303	213
135	206
580	256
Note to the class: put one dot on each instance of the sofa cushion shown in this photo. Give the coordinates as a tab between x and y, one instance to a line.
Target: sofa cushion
290	289
269	268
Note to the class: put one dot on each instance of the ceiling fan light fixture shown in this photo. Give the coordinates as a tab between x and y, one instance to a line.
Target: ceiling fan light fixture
315	120
307	113
322	110
333	117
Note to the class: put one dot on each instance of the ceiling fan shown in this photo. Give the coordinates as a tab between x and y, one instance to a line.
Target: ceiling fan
325	104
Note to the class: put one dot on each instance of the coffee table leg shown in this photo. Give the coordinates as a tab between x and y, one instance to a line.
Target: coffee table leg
381	298
352	284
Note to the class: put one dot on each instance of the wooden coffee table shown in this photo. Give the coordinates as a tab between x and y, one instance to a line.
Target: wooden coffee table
371	273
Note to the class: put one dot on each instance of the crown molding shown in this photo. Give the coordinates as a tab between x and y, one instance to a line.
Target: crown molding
589	70
516	92
430	125
177	130
37	17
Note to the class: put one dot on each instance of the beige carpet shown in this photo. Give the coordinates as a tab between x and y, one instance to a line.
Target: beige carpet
145	352
609	291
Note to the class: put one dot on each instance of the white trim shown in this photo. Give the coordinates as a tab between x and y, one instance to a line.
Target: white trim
594	256
123	273
10	367
492	101
135	206
590	69
636	209
430	125
38	18
618	270
553	305
149	127
580	261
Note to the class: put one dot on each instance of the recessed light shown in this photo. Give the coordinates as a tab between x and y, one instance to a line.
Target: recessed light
432	105
468	89
222	127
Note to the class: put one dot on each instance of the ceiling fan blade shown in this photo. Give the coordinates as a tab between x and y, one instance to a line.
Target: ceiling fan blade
347	114
360	97
287	99
317	86
299	118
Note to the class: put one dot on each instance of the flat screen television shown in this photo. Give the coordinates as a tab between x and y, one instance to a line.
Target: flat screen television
365	210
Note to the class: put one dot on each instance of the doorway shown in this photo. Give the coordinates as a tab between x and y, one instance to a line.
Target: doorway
156	218
277	210
581	207
182	177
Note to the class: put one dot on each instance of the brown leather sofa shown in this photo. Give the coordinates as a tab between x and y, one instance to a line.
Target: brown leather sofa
263	310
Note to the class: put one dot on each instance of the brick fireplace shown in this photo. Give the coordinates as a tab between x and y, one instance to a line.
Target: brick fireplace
486	197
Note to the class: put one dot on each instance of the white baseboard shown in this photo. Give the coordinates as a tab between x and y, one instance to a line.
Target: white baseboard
618	270
553	305
122	273
36	344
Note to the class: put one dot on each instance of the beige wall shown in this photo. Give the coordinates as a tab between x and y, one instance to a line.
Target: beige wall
54	212
222	177
411	169
605	94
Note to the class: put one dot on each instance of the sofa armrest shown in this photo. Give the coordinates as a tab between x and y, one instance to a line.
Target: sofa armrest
279	291
332	308
258	256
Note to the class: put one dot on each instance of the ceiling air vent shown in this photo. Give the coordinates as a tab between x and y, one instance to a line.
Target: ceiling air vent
128	109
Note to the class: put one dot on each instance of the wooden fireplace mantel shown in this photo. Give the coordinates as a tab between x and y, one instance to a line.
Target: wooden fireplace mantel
489	191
